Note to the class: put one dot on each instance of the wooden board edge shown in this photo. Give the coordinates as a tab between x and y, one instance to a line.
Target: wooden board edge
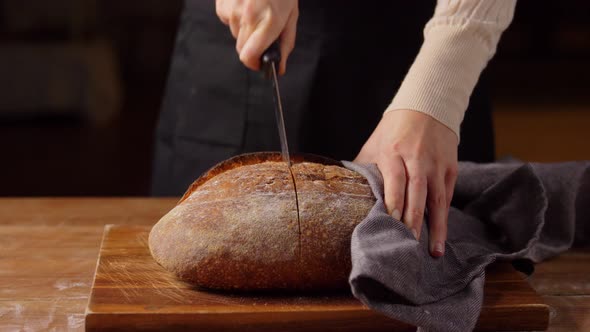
106	230
253	321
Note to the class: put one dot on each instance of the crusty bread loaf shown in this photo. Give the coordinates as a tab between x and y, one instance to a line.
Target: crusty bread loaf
242	226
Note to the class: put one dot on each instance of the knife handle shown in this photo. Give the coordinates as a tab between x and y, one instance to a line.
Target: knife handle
270	56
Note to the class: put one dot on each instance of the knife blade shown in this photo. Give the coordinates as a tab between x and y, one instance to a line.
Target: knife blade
271	58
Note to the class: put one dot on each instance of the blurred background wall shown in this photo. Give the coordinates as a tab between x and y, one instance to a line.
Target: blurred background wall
81	83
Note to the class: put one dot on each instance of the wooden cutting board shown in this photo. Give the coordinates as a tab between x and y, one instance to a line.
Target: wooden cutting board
131	291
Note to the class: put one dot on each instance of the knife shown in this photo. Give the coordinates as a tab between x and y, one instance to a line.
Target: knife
270	61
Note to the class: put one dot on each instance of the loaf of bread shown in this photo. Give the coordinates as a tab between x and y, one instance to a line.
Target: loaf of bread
250	223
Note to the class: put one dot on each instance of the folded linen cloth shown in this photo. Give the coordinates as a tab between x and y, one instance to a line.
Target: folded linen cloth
500	211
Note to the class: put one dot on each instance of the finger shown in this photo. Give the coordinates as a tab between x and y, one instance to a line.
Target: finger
248	22
264	35
221	9
394	181
288	38
450	180
416	189
437	214
243	35
235	18
234	26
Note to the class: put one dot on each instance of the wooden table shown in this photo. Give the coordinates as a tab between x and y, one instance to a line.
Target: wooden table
49	247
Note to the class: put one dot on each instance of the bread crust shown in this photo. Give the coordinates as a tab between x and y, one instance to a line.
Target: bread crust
238	226
332	201
251	159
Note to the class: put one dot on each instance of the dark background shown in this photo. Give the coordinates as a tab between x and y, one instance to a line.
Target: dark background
81	83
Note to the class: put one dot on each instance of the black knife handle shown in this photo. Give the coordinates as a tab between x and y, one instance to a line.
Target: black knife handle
270	56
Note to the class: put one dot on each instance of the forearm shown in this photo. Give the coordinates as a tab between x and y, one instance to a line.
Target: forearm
459	41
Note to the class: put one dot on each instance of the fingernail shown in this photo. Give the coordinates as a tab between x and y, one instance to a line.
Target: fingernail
396	214
438	250
415	233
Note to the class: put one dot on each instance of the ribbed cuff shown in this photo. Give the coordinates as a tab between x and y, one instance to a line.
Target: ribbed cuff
444	74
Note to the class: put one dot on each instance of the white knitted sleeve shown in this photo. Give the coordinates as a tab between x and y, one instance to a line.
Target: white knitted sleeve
459	40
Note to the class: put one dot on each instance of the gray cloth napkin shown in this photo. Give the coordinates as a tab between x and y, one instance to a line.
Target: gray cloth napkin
500	212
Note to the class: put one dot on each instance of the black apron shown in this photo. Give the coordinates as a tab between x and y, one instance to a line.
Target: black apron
348	62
